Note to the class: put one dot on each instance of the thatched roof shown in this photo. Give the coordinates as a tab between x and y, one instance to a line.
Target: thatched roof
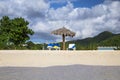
63	31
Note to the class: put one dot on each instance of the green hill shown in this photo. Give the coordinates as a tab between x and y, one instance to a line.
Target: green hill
103	39
113	41
103	36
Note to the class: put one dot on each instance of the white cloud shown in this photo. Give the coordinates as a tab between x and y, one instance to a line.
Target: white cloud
60	13
26	8
86	22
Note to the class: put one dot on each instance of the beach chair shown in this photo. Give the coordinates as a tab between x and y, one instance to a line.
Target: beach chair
71	47
56	46
50	46
53	46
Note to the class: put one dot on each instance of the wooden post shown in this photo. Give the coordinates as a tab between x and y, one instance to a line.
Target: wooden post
63	37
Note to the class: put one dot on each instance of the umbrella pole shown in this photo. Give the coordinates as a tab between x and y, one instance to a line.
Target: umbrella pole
63	37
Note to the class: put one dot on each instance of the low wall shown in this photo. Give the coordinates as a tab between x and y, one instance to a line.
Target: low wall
41	58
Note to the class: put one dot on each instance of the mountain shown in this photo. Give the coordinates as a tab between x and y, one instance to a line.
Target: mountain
113	41
105	38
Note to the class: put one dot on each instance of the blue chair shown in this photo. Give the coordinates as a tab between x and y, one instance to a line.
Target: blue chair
55	46
50	46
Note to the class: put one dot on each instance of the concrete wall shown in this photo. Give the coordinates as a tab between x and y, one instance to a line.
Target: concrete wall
41	58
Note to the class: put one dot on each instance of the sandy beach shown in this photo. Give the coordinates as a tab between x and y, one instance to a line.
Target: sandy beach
45	58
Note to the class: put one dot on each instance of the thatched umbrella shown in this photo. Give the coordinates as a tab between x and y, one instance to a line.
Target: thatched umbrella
64	32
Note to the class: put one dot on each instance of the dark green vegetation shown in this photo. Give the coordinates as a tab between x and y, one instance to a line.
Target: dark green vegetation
103	39
14	33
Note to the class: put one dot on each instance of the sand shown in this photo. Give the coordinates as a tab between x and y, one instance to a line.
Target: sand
45	58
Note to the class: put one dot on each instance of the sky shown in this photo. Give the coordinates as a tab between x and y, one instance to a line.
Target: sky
87	18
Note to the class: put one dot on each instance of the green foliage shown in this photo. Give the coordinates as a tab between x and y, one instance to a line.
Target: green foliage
5	27
32	46
114	41
14	32
20	31
103	36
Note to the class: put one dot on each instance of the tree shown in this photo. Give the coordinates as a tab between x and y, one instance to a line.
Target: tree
20	31
30	45
114	41
5	28
14	31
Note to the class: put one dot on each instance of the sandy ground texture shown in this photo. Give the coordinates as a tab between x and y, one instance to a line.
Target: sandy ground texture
41	58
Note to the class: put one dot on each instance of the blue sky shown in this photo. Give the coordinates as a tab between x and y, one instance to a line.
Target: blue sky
85	17
78	3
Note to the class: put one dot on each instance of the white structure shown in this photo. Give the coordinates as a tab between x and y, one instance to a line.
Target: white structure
71	46
106	48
